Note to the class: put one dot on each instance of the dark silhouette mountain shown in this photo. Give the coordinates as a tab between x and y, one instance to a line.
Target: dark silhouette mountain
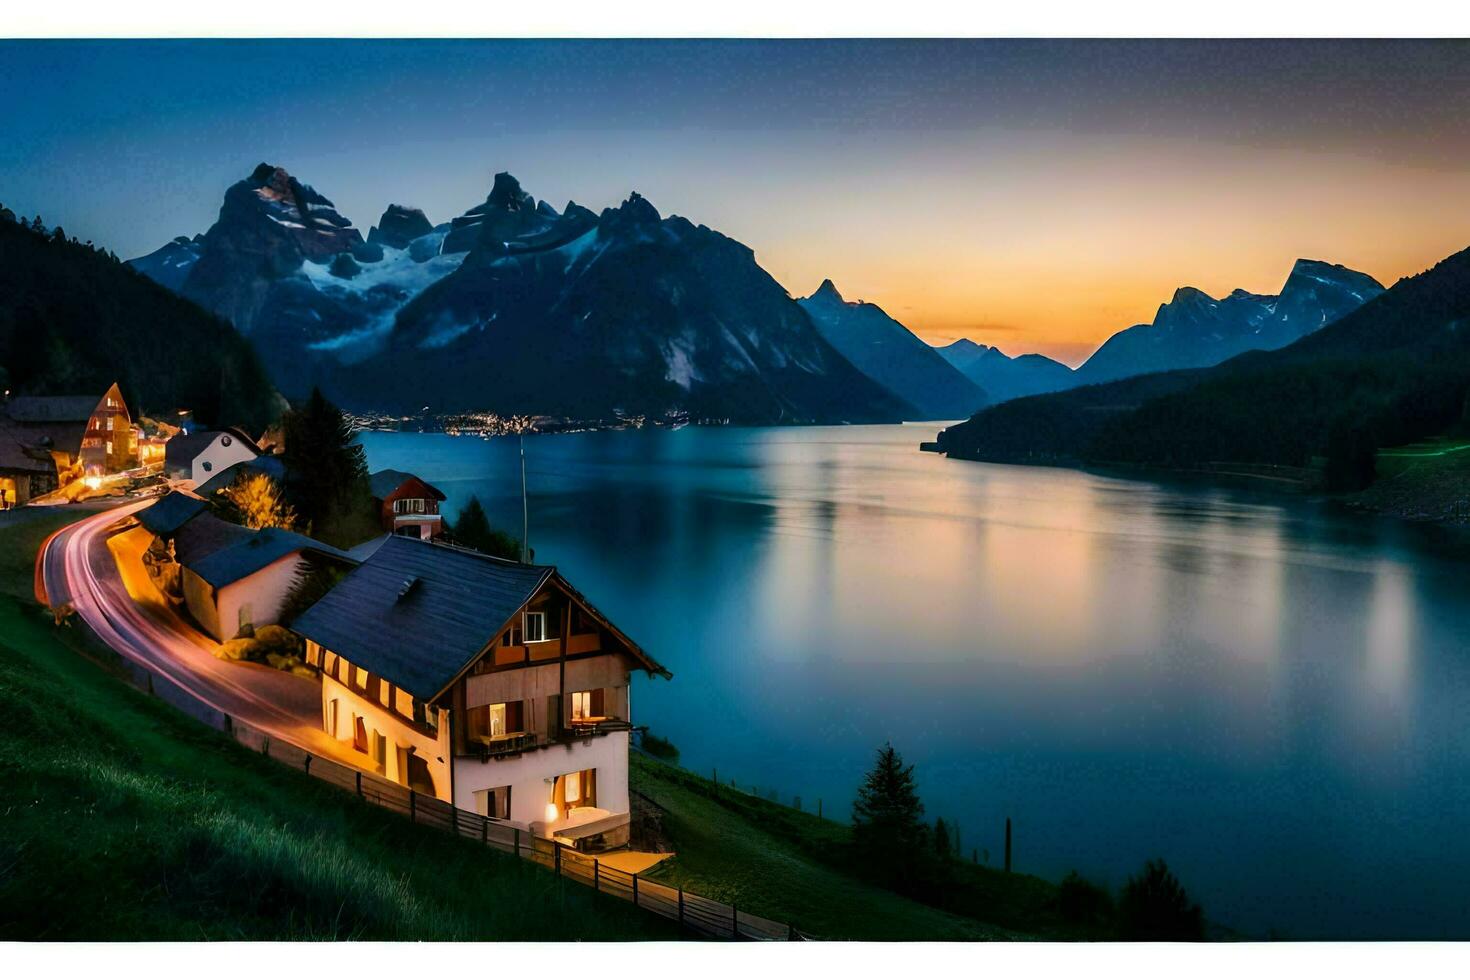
1394	370
1196	330
886	351
1004	377
622	313
74	320
398	226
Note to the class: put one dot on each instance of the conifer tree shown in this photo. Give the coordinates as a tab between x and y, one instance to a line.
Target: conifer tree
472	530
887	819
327	473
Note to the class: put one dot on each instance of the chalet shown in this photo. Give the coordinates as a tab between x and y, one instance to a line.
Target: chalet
268	465
231	577
49	441
197	456
406	504
489	683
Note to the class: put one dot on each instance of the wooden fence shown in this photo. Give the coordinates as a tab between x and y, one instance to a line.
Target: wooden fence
703	917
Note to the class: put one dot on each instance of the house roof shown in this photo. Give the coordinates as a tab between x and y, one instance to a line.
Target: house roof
271	466
182	449
170	512
418	613
17	452
52	408
384	482
220	556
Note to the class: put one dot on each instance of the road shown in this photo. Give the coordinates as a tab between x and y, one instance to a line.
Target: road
94	564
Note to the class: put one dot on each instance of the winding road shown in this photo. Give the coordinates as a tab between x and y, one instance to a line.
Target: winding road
95	565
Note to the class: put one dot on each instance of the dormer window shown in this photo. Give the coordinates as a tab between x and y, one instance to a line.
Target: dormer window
535	627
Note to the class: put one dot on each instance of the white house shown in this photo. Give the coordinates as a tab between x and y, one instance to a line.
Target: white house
489	683
197	456
232	577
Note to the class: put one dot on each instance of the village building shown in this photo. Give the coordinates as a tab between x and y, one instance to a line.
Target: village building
230	578
406	504
47	441
198	456
267	465
488	683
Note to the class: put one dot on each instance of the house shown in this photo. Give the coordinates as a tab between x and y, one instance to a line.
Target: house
232	577
489	683
197	456
69	436
268	465
406	504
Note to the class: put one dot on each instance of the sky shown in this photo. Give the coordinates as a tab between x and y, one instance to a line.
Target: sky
1033	195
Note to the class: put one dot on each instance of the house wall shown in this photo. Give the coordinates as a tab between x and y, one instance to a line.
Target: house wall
218	611
265	591
544	680
199	600
434	750
527	775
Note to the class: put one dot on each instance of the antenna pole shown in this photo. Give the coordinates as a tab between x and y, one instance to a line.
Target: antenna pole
525	507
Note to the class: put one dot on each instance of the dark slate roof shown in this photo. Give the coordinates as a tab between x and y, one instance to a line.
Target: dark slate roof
271	466
250	554
170	512
203	536
52	408
384	482
417	613
17	452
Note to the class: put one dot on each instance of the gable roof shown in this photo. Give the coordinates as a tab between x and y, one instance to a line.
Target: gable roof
182	449
382	483
52	408
249	554
202	536
417	613
271	466
17	452
170	512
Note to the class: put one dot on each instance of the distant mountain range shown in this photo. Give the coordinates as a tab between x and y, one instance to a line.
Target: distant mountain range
886	351
515	307
1393	370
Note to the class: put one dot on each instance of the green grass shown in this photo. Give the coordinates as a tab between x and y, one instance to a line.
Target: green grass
121	819
792	866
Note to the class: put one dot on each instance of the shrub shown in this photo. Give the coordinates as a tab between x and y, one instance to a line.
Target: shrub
1154	907
660	748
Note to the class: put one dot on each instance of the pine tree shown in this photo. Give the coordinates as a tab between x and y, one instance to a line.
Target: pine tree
327	468
1154	907
887	819
472	530
941	839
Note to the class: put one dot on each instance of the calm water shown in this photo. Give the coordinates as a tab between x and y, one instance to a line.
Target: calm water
1271	695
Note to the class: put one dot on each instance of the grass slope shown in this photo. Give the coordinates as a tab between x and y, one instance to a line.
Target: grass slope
123	820
791	866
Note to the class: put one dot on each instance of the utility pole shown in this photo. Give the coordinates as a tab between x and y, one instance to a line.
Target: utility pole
1008	845
525	507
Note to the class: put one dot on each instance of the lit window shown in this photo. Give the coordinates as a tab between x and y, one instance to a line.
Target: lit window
581	705
535	627
497	719
572	787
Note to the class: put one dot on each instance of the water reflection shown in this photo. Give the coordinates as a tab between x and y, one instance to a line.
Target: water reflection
1269	694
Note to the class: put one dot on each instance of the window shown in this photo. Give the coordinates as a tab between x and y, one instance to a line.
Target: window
385	694
208	466
109	423
497	719
493	803
581	705
225	440
535	627
331	719
359	678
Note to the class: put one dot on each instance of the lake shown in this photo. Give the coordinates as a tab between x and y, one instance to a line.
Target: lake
1270	693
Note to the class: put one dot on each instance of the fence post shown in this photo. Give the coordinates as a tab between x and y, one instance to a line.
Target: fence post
819	808
635	889
359	782
265	745
306	764
556	849
790	933
596	875
485	831
734	920
1008	845
413	804
517	840
681	907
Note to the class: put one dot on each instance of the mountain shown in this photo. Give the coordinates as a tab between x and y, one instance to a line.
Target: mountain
519	308
74	320
885	350
1196	330
1004	377
626	312
169	266
1394	370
